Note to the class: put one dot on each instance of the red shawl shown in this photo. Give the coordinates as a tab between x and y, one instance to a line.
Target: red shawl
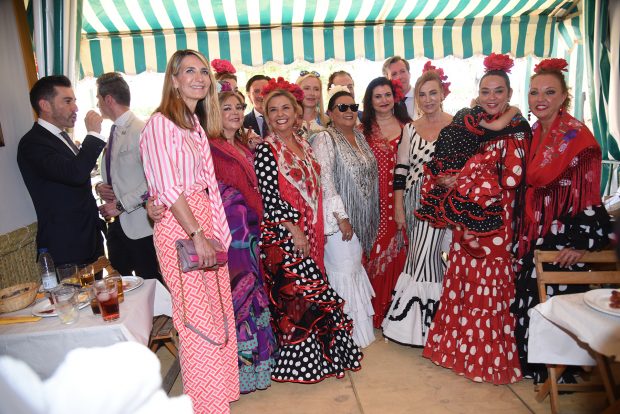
563	177
235	169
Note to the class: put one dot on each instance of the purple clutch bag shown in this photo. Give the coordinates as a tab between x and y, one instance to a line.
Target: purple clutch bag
188	258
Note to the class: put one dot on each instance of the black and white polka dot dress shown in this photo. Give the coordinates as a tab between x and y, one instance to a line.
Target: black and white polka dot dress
314	334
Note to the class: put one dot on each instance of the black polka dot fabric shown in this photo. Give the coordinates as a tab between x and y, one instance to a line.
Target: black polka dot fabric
314	334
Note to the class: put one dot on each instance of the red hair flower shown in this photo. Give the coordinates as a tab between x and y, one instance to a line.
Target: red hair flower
284	85
222	66
552	65
444	85
399	95
498	62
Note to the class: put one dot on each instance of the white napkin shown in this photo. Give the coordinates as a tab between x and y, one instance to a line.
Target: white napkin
122	378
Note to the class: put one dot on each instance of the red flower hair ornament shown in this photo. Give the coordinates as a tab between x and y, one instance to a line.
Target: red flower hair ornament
399	95
444	85
498	62
222	66
552	65
284	85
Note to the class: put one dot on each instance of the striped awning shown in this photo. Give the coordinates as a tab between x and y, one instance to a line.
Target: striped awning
133	36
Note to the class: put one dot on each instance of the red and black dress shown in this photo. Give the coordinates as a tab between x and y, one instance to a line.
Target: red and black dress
313	331
562	210
472	332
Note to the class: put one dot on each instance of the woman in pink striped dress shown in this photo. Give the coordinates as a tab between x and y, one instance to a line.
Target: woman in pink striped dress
178	167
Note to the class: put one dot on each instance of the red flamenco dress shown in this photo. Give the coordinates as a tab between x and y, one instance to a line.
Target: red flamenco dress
388	255
473	329
313	331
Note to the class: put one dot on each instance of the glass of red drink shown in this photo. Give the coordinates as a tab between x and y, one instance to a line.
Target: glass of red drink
107	296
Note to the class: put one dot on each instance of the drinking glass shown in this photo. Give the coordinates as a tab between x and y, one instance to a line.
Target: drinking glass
119	287
87	274
66	306
107	295
68	275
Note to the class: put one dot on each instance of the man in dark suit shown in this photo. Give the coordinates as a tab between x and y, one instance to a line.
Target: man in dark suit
57	174
255	119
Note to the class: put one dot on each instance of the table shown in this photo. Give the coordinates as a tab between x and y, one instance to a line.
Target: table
44	344
563	330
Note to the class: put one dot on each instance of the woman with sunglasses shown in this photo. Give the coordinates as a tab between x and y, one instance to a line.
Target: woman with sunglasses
382	125
313	119
313	331
234	170
350	209
418	289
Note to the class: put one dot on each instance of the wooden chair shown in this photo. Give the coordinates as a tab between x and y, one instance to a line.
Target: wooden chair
104	263
604	269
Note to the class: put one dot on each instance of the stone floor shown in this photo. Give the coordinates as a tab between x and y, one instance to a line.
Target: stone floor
397	379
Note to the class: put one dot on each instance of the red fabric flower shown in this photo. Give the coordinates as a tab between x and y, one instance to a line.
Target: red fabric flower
222	66
282	84
295	174
444	85
552	65
498	62
399	95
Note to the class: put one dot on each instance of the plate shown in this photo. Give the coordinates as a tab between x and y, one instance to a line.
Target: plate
599	299
45	309
132	282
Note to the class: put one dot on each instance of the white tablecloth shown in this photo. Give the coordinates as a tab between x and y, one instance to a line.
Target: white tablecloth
564	328
44	344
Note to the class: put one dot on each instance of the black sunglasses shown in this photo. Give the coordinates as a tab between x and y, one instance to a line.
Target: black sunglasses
313	73
344	107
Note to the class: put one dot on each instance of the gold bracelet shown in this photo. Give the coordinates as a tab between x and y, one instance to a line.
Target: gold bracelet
195	232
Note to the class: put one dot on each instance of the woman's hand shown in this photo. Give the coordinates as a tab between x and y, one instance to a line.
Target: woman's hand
568	257
446	180
205	250
399	216
346	229
156	213
300	241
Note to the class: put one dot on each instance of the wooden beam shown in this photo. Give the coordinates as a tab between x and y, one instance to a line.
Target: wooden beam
26	42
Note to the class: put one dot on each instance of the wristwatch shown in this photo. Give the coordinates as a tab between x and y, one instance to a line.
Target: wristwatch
119	206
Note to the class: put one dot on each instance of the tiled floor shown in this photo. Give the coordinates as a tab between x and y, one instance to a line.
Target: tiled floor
396	379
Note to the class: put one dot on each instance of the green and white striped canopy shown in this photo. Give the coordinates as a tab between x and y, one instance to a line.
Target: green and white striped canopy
133	36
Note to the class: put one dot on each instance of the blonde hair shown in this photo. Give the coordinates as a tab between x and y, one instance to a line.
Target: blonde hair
321	112
175	109
429	75
281	92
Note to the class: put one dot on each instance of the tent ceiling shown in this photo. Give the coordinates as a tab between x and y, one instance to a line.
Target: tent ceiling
136	35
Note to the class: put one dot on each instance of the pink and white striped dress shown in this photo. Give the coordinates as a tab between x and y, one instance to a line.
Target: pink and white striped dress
178	161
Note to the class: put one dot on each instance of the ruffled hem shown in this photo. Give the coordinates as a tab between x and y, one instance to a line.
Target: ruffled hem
412	311
357	292
306	363
473	330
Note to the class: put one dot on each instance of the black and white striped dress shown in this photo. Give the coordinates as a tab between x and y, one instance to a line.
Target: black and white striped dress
418	289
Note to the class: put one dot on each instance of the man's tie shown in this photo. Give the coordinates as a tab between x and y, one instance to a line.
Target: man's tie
264	130
71	143
108	156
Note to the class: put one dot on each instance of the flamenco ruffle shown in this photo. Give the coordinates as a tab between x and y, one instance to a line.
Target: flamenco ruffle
472	333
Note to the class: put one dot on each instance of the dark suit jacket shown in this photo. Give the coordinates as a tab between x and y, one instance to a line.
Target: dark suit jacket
249	121
59	184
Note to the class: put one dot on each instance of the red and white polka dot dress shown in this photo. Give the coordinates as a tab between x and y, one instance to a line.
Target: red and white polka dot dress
387	257
473	330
